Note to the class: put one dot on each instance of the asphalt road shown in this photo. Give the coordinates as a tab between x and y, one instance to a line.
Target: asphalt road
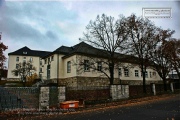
167	109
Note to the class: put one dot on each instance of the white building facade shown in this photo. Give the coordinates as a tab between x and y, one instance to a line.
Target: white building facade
62	66
25	55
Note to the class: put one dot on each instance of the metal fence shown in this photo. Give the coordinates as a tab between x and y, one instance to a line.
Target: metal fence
18	97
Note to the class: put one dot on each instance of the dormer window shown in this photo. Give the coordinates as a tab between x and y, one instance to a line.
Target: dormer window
25	53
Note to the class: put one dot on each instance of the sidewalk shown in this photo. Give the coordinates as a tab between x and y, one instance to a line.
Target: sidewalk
128	102
115	104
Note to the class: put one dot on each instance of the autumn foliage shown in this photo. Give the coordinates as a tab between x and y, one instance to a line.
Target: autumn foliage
2	56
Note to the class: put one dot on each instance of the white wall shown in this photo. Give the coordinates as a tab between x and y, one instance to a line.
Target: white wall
79	70
12	64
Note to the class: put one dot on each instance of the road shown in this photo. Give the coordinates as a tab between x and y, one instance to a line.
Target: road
167	109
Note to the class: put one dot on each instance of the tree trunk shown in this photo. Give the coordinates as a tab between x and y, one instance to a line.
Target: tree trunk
143	69
165	86
111	70
144	82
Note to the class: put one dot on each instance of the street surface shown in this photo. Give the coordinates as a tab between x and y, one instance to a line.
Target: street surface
162	108
166	109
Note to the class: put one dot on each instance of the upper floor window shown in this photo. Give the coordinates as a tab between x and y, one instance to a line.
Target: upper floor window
154	73
24	53
31	59
17	59
136	73
150	74
48	60
86	65
40	62
99	66
119	72
52	58
24	59
126	72
146	74
45	61
68	66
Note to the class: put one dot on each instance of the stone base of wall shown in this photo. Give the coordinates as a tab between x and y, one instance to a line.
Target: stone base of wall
139	82
13	79
96	81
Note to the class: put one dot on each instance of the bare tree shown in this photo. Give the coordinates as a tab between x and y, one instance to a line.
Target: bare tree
143	38
109	35
161	63
160	55
173	48
24	70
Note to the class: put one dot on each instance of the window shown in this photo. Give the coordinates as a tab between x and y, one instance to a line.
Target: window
126	72
31	59
68	66
17	59
17	66
136	73
52	58
146	74
48	60
119	72
86	65
40	76
40	62
150	74
99	66
40	70
45	61
24	53
154	73
24	59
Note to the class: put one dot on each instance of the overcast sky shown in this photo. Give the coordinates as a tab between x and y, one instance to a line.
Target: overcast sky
46	25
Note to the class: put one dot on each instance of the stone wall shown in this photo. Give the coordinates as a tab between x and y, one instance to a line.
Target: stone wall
46	98
96	81
118	92
61	94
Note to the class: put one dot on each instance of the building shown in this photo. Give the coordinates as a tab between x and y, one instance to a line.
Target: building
23	55
173	75
63	66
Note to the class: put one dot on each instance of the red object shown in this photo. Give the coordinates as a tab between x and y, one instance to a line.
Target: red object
69	104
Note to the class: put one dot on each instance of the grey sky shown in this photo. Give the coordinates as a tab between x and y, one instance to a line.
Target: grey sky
46	25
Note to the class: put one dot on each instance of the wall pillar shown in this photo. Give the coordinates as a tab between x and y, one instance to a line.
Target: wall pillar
172	87
61	93
44	98
154	89
119	91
